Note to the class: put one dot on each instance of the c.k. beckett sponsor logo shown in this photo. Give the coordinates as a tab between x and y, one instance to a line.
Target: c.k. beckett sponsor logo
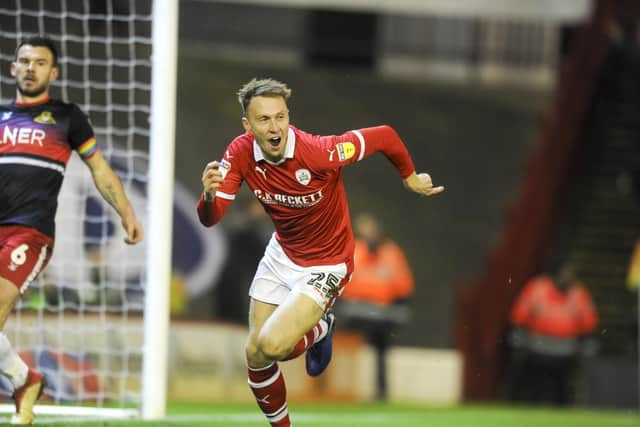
300	201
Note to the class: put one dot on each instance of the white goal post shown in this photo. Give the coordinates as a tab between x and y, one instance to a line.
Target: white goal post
161	185
96	323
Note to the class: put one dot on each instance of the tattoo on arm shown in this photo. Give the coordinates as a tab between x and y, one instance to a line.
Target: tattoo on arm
111	195
109	186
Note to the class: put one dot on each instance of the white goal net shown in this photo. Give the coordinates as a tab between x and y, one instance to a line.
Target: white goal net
81	323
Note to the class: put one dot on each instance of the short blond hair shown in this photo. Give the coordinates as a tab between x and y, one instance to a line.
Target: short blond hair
261	87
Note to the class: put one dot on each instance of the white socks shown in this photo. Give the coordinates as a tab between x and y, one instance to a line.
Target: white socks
11	365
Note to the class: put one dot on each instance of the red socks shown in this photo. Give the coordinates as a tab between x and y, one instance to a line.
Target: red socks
313	336
270	391
267	384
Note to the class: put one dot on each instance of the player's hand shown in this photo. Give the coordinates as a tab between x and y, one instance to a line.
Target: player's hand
212	179
133	229
421	184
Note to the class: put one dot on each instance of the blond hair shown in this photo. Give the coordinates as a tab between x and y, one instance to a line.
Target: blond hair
261	87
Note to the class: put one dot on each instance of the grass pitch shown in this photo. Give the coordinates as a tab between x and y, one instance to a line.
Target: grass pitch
367	415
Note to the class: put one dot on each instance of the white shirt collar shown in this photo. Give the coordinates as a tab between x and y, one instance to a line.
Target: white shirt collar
288	150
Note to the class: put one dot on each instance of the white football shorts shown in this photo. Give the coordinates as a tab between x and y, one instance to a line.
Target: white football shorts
277	276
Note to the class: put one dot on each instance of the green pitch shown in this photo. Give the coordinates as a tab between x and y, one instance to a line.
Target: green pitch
369	415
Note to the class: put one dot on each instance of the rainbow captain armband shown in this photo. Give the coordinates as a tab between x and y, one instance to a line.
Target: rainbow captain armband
88	149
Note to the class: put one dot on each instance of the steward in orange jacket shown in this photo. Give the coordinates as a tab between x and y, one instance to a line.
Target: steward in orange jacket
373	302
545	309
381	274
550	319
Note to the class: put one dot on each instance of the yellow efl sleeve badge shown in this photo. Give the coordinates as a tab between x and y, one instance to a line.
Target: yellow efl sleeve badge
346	150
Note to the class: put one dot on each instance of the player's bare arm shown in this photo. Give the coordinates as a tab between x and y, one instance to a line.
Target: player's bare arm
421	183
110	187
212	179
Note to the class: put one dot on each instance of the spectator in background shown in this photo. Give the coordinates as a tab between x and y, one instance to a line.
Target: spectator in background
373	302
552	320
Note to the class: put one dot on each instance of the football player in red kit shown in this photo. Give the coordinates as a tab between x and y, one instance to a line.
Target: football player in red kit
37	135
297	178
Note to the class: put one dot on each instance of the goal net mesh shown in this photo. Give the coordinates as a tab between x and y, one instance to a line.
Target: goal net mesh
81	322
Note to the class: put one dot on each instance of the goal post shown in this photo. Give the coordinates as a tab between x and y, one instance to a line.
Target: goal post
96	322
161	183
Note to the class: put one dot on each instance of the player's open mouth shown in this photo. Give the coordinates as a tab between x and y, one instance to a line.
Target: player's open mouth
275	141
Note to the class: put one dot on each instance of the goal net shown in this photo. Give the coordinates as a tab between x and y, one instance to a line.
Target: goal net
81	323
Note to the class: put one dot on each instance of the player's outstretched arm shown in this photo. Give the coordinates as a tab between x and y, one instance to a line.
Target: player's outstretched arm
110	187
421	184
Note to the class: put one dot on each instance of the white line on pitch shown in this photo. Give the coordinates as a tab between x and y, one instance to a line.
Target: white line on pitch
370	418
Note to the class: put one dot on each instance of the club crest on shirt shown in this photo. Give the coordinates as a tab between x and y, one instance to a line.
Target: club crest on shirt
45	118
6	115
303	176
346	150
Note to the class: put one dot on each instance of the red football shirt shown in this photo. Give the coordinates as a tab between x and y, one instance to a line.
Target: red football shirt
304	193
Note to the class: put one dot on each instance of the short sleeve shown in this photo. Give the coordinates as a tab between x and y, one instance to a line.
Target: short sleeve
81	134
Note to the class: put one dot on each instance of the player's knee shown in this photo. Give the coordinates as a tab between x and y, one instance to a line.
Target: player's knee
272	347
252	352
